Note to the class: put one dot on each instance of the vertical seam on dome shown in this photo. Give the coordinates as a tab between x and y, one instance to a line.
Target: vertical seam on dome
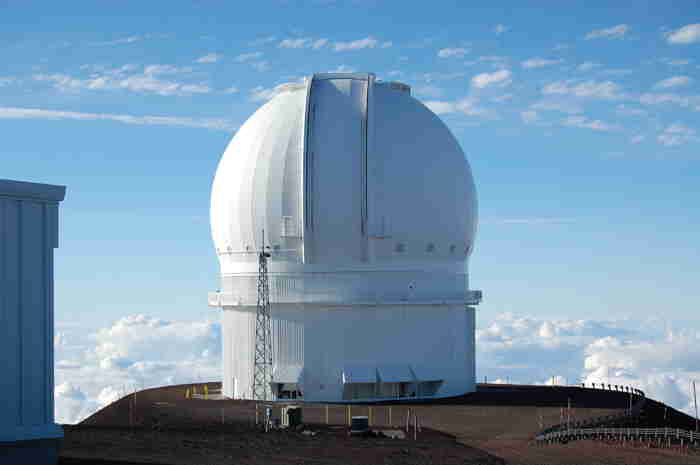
363	214
305	174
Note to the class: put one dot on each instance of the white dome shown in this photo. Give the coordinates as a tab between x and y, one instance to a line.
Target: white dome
369	209
343	171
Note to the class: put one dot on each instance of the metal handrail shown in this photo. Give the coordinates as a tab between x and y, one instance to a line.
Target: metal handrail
628	413
579	433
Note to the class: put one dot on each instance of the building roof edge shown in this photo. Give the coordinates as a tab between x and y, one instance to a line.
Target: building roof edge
32	190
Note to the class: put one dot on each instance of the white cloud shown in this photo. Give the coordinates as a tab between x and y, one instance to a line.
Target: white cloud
123	40
539	63
655	99
522	349
627	352
675	61
194	88
262	41
452	52
467	106
627	110
69	391
210	58
499	78
231	90
682	100
587	66
617	71
35	113
133	353
674	81
563	107
108	394
303	42
68	364
662	368
637	139
387	44
685	35
259	93
367	42
430	77
342	69
496	61
529	116
158	69
295	43
150	84
59	339
260	66
583	122
428	91
502	98
71	404
140	338
243	57
500	29
556	381
5	81
615	32
591	89
440	107
676	134
319	43
148	81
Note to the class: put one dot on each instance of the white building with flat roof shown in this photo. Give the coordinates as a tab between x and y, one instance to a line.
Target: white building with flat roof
28	236
369	211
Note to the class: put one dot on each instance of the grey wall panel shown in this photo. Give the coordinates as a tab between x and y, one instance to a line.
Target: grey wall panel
28	235
50	242
33	314
11	340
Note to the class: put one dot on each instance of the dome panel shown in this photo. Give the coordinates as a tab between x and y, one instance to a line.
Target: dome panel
423	191
258	183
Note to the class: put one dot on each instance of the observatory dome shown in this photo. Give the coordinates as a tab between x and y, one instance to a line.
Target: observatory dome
343	171
366	205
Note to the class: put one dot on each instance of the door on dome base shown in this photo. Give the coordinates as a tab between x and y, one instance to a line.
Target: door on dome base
287	391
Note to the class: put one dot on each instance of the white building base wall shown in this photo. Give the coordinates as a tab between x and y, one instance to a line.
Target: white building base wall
323	347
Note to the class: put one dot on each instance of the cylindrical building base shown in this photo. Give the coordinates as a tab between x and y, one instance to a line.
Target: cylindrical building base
355	353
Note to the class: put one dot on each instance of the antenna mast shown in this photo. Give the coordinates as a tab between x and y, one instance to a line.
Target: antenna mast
262	368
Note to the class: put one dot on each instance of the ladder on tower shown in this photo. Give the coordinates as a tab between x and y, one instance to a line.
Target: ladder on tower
262	366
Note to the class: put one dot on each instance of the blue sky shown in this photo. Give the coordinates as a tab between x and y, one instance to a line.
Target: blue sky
581	123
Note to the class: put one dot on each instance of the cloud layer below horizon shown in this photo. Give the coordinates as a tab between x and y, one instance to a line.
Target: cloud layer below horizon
138	351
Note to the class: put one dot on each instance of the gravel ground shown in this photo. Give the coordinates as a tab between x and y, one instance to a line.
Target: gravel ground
161	426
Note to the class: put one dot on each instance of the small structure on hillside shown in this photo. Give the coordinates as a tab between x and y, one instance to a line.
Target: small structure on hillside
28	235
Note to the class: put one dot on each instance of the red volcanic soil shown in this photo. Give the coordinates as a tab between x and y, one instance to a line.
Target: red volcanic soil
495	425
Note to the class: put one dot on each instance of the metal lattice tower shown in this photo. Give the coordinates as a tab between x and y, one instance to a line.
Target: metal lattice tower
262	367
